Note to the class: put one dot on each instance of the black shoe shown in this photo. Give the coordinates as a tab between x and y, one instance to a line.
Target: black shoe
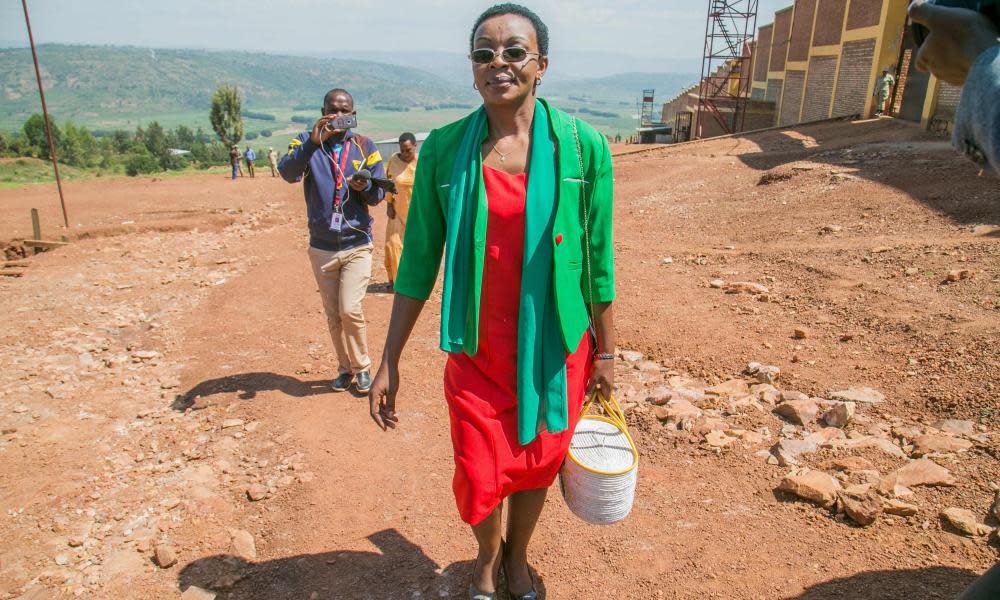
342	382
363	383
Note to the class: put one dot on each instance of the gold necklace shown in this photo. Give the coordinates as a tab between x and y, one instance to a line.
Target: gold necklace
503	157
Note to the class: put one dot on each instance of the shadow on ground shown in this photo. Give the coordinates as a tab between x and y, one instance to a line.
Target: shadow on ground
399	571
888	151
932	583
248	385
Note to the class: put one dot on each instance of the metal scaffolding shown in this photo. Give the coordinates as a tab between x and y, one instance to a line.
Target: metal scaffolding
646	118
727	65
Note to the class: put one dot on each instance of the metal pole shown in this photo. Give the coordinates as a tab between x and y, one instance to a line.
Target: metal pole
45	114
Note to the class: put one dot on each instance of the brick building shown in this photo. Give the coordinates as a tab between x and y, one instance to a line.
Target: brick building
822	58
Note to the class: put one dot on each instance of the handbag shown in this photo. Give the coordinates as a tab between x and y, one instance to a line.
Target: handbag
599	476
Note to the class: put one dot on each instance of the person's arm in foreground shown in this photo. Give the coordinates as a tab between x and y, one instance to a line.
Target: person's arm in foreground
602	277
963	47
382	397
418	269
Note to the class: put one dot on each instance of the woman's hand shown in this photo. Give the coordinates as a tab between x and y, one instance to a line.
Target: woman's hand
390	210
382	396
957	37
602	377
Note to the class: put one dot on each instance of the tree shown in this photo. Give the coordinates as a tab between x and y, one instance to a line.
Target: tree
34	135
225	116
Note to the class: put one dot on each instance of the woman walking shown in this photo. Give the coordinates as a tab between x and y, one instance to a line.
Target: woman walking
518	198
402	168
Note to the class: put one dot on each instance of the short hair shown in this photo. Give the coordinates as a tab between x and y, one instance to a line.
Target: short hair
509	8
407	137
336	91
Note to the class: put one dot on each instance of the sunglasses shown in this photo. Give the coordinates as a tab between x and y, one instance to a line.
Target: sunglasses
512	55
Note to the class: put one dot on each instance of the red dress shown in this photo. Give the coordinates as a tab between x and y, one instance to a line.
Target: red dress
481	390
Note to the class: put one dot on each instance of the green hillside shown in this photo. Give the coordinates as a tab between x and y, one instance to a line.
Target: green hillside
106	88
114	86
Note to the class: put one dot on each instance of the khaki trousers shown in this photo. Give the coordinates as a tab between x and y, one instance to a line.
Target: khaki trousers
343	279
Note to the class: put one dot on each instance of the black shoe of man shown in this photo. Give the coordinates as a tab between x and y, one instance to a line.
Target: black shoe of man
364	382
342	382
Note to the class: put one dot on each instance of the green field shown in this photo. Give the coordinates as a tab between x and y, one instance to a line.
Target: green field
19	172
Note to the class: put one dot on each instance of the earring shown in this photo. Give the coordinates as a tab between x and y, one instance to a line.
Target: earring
474	86
538	81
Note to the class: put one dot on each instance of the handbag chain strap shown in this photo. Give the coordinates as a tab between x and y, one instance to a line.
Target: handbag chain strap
586	229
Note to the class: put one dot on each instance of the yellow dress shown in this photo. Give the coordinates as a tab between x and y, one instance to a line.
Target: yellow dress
402	173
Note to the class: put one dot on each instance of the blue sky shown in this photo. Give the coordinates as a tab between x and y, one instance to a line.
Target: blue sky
644	32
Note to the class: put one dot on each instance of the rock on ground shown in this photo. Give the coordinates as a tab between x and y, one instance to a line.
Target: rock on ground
165	556
862	508
244	545
917	472
196	593
815	486
861	395
800	412
963	520
938	444
840	415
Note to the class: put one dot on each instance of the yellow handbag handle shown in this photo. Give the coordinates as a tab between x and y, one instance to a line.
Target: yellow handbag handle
611	408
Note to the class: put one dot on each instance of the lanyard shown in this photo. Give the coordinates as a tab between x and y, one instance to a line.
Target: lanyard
339	173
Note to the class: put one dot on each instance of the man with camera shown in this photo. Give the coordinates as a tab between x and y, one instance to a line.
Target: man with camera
962	46
340	171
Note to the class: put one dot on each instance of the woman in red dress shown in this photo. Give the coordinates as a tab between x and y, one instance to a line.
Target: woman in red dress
504	279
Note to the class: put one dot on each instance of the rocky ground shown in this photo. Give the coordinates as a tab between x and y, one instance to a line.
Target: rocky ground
808	322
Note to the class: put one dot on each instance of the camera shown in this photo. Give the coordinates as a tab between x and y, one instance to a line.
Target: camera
343	122
989	8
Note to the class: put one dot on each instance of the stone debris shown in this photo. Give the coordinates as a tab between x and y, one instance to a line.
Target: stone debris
964	521
196	593
931	444
995	509
243	544
164	555
957	275
256	492
815	486
746	287
800	333
840	415
800	412
917	473
863	506
956	427
860	395
894	506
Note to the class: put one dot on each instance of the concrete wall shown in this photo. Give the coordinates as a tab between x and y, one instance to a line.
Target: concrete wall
829	22
779	42
802	29
791	97
774	89
819	88
864	13
762	56
852	82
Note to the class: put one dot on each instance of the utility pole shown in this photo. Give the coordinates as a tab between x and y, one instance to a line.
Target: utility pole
45	114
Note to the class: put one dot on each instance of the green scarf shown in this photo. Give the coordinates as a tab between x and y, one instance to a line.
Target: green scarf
541	353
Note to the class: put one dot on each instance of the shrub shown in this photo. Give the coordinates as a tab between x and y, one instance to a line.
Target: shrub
141	164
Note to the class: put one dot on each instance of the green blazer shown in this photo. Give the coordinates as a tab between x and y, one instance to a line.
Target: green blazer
426	226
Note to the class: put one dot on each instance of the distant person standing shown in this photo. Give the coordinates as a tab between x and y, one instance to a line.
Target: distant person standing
883	91
402	169
332	164
272	159
250	156
234	158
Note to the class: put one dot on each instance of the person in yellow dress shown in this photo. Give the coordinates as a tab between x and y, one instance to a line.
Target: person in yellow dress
402	168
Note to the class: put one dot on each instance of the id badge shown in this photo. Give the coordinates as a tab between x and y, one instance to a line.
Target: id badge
337	222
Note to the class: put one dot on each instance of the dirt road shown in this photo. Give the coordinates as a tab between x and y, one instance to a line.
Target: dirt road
157	378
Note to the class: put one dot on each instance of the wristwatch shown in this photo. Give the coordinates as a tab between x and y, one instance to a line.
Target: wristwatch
604	356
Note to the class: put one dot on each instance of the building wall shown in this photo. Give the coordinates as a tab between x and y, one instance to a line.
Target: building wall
802	29
791	97
864	13
852	82
757	93
773	93
779	42
763	54
947	101
819	87
829	22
